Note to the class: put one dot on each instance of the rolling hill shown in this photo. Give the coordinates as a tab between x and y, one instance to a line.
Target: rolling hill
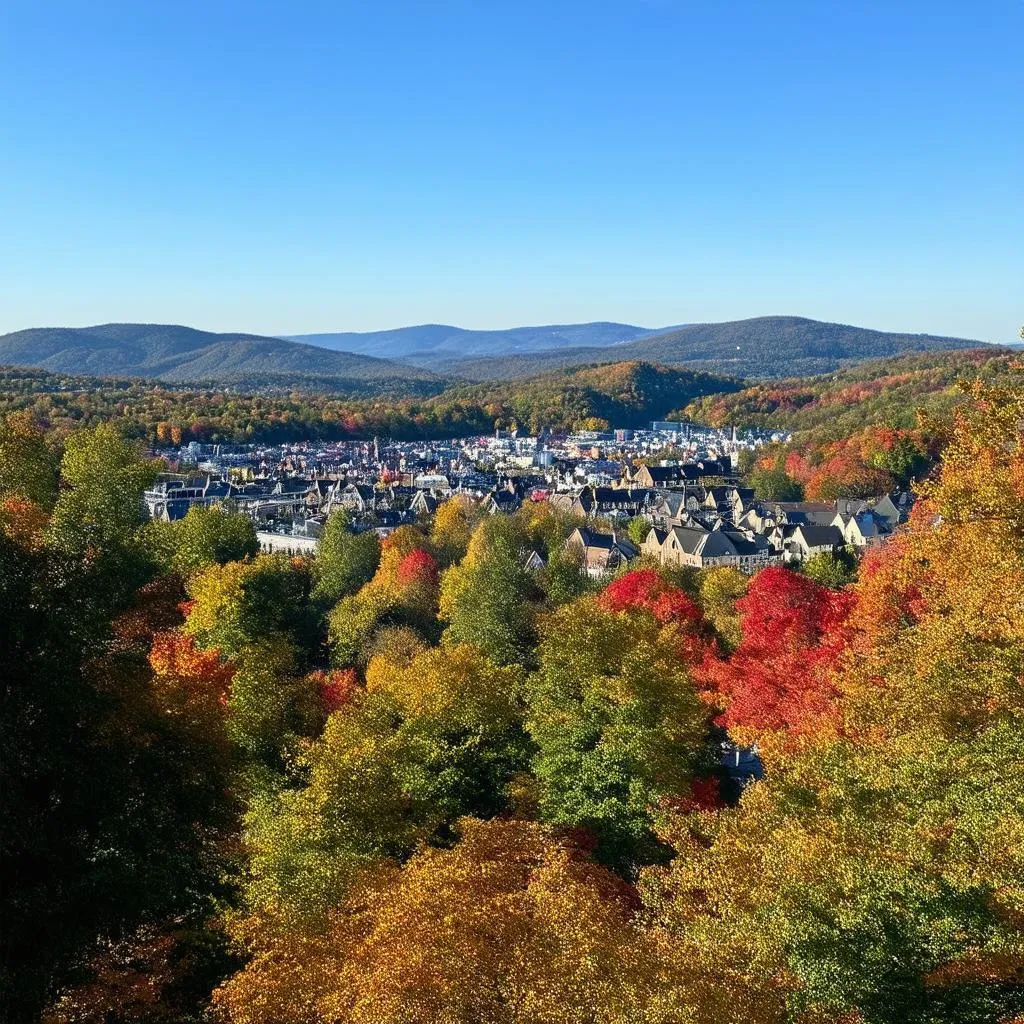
764	347
887	392
624	394
183	355
439	341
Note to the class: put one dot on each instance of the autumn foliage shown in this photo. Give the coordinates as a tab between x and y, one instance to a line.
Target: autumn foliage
511	924
646	590
418	568
778	678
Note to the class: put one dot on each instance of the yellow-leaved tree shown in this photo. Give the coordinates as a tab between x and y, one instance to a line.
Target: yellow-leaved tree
510	926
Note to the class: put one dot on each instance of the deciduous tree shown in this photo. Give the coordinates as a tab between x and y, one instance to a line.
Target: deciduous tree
345	560
512	925
616	719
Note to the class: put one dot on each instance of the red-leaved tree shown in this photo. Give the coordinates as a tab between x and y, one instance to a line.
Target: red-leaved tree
418	568
645	589
779	679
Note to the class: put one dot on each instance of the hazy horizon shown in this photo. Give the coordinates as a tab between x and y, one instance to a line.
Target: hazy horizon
299	335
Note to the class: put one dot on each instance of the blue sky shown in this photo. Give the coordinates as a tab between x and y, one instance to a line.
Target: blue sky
300	167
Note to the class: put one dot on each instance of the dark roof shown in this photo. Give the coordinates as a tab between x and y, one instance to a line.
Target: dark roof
817	536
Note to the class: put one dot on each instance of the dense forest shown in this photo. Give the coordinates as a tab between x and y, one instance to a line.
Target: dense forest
627	394
624	394
886	392
869	430
413	782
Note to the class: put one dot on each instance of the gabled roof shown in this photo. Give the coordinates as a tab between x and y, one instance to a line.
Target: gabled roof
589	539
744	545
817	536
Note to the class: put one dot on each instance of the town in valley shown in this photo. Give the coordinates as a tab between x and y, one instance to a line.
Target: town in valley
673	493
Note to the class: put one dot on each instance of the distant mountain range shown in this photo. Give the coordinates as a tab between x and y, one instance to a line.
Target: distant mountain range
183	355
440	340
421	361
764	347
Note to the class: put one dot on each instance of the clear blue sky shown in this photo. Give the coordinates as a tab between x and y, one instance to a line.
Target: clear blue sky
307	166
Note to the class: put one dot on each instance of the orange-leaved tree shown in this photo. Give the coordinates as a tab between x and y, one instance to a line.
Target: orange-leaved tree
511	925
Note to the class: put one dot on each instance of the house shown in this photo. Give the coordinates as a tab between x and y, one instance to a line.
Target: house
501	501
659	476
357	497
894	509
423	504
652	543
436	483
600	553
171	498
804	540
320	494
623	502
531	560
820	513
704	549
389	520
863	530
680	474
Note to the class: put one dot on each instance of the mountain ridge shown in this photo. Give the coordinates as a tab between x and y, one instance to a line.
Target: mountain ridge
173	353
422	340
758	347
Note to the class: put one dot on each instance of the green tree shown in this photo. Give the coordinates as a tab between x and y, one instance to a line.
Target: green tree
270	704
428	740
832	569
617	723
28	465
213	535
718	590
345	560
563	578
244	604
638	528
205	536
486	599
101	505
774	484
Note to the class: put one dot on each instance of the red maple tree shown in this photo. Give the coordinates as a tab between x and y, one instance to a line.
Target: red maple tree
778	679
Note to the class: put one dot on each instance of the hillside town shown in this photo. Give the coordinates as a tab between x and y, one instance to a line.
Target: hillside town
672	493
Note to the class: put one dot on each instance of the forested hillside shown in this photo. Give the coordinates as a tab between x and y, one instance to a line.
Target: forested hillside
630	394
414	781
888	392
183	355
869	430
764	347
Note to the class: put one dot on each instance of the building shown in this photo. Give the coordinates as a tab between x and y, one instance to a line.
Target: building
601	553
704	549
